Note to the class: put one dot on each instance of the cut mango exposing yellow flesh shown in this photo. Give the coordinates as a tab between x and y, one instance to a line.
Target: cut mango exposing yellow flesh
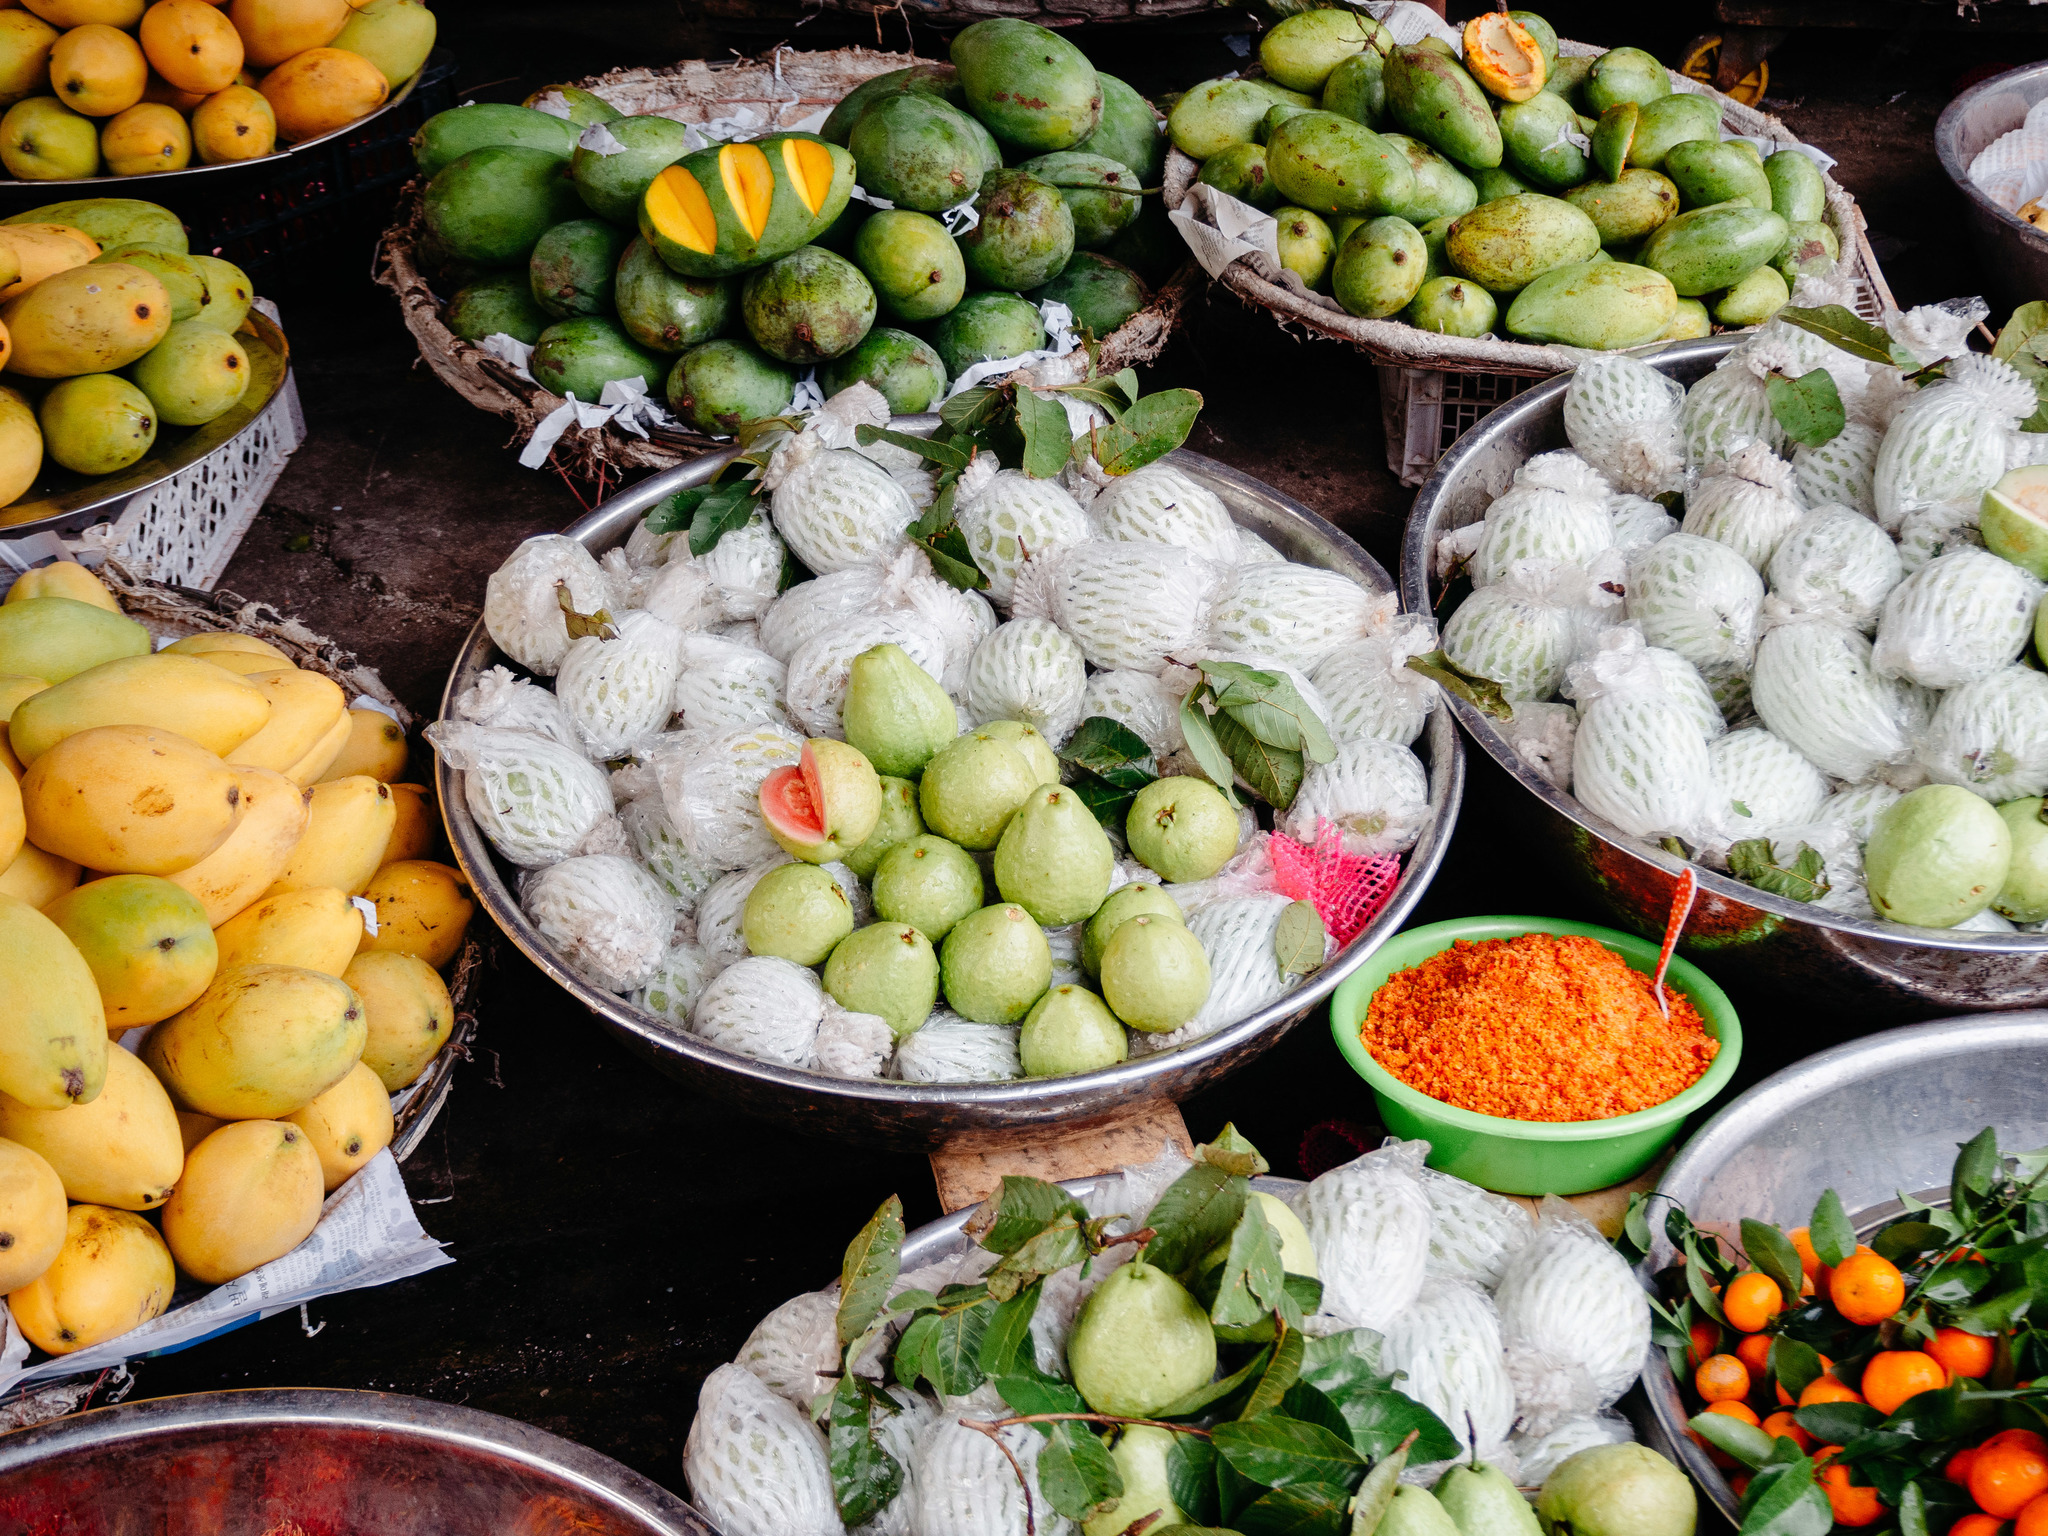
681	211
749	184
1503	57
810	171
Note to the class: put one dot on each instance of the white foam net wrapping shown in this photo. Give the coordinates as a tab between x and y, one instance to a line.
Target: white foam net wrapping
1639	758
1535	522
755	1465
1760	782
1816	687
1950	439
1836	564
1928	533
813	607
678	981
1856	807
721	912
506	702
1746	503
711	785
1142	702
536	800
1541	1455
1701	599
963	620
964	1485
763	1007
1956	620
1369	690
607	918
745	568
1296	614
1575	1322
1014	519
1369	1221
1125	604
654	840
522	599
1253	550
1991	736
950	1049
821	669
1376	792
1473	1232
1543	736
1518	632
1028	670
1841	470
839	510
852	1044
1447	1342
1638	523
683	595
1724	410
794	1350
621	691
1159	504
899	1435
1622	416
722	685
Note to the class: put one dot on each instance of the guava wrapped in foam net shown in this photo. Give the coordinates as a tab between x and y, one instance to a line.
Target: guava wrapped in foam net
1473	1232
1369	1221
608	919
711	784
1575	1323
1296	614
1745	502
839	510
1727	408
1760	782
1126	604
655	842
506	702
1702	600
1160	504
722	685
537	801
1028	670
1816	687
1956	620
1370	690
1622	416
722	909
1991	736
523	599
1638	523
1639	758
1519	632
1447	1345
1841	471
755	1465
620	691
1140	701
1927	533
1376	792
813	607
1681	679
1017	518
1950	439
745	568
1837	564
1556	511
950	1049
1236	933
678	981
763	1007
1541	1455
964	1483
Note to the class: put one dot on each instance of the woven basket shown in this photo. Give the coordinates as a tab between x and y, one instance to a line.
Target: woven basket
773	92
1398	344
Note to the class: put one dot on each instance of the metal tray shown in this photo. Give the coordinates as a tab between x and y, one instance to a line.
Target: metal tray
2014	253
915	1116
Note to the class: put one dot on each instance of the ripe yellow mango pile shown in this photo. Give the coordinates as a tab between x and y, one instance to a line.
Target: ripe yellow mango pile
181	834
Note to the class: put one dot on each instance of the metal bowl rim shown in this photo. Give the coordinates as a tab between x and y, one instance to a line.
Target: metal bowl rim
1948	149
1417	546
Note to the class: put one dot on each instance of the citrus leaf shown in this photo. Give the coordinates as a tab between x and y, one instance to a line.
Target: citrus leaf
1047	437
1795	1366
1809	407
1830	1231
1789	1502
873	1260
1482	693
1299	940
1075	1472
1197	725
1277	1451
864	1476
1772	1252
582	626
1274	773
1901	1240
1745	1442
1976	1168
1835	1423
1151	429
1844	328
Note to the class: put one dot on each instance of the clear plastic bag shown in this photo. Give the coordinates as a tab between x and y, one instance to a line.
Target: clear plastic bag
1575	1323
755	1465
1928	533
711	786
1537	522
1161	505
1017	518
683	594
763	1007
1727	408
1638	523
812	608
950	1049
1369	1221
815	686
745	567
1028	670
1376	792
1991	736
1702	600
1856	807
1838	565
1126	605
839	510
1639	758
1516	632
1956	620
655	842
1543	735
678	981
1370	690
538	801
1473	1232
620	692
722	685
1815	687
1950	440
506	702
1745	502
1296	614
607	919
523	599
1680	677
1760	782
1622	416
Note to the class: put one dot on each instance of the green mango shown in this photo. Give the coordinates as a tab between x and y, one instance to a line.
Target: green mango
1624	74
1744	147
919	153
1330	164
808	306
1755	299
1216	114
1240	172
575	104
447	136
1452	306
664	311
1612	136
1379	268
1498	181
573	267
1101	194
1441	189
193	375
1025	235
1601	304
1543	34
1569	74
1507	244
229	293
1302	51
1307	245
913	265
1812	249
1689	322
1679	118
500	302
839	234
1357	89
984	326
1102	293
1130	132
1033	89
1534	147
940	80
582	355
182	276
1626	209
1340	231
1431	97
720	386
96	423
909	374
1799	194
1707	172
1434	234
493	204
1714	247
611	185
1276	114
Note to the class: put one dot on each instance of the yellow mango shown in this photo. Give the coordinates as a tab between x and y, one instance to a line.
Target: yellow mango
348	1125
206	642
53	1032
122	1149
63	578
322	753
131	800
423	909
79	13
36	877
416	831
41	139
12	691
375	746
31	1216
318	928
409	1013
320	90
195	1128
274	815
21	443
303	708
25	41
245	663
146	943
148	137
273	30
264	1041
394	35
98	70
42	249
344	842
112	1274
251	1193
234	124
202	703
13	816
192	45
90	319
160	90
53	638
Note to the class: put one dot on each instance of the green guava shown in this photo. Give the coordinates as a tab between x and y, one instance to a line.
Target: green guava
1070	1030
824	807
895	713
887	969
1053	859
928	883
1140	1454
1936	857
1155	974
1124	903
1140	1343
970	789
797	912
899	823
2024	896
1415	1512
1026	739
995	964
1482	1502
1182	828
2014	518
1617	1490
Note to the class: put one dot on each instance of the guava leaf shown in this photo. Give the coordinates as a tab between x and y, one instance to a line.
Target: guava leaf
1301	1509
1115	394
1198	1211
1006	1347
1047	437
1809	407
1231	1152
1845	329
864	1476
1832	1234
955	1348
870	1267
2024	344
944	543
973	408
582	626
1269	706
1299	940
1339	1362
1274	773
1151	429
1482	693
1750	861
1063	1242
1277	1451
1192	1403
1252	1277
1113	752
1376	1494
1018	1211
1381	1420
1308	1404
940	451
1197	725
1281	1372
1032	1391
1075	1472
1191	1477
1110	805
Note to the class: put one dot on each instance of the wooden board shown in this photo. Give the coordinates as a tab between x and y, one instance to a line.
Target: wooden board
969	1169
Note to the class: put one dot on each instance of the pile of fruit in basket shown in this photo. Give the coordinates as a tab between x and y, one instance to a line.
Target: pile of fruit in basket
110	328
724	275
232	821
1872	1382
1549	197
1393	1350
1035	820
127	87
1815	680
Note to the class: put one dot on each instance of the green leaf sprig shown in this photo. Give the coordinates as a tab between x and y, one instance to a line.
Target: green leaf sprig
1751	861
1112	761
1809	407
1243	723
2024	343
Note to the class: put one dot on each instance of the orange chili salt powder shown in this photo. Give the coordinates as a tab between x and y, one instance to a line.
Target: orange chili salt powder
1538	1027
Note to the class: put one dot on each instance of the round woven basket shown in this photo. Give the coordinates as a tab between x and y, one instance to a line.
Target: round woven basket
1398	344
768	93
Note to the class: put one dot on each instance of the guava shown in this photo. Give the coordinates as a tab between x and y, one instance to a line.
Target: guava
1617	1490
1936	857
1297	1252
1482	1502
1124	903
995	964
824	807
1182	828
1140	1343
970	789
928	883
1026	739
1070	1030
1140	1454
2013	518
899	823
1053	859
2024	896
1155	974
887	969
1415	1512
796	912
895	713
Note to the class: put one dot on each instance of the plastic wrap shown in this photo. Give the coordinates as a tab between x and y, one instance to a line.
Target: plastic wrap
1815	687
1723	411
1949	440
1638	523
1702	600
1639	758
1370	1221
950	1049
506	702
655	842
522	600
1376	792
1760	782
1856	807
963	1485
1841	471
678	981
1956	620
840	510
1575	1323
763	1007
538	801
1541	1455
1028	670
1160	504
1991	736
1447	1345
1536	522
607	919
1838	565
1126	605
620	692
813	607
1014	519
755	1465
1296	614
722	685
1517	632
1745	502
1473	1232
711	785
1543	736
1622	416
1370	691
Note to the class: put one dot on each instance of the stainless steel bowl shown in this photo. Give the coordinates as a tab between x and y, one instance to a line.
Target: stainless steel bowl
318	1461
1864	969
1872	1119
2015	254
914	1116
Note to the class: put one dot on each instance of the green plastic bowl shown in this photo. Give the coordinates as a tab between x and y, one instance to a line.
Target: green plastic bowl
1531	1157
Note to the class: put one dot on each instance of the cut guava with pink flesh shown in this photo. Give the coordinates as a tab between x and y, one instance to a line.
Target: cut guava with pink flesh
824	807
2013	518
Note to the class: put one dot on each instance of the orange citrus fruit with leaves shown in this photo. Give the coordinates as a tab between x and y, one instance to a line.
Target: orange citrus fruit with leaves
1827	1369
1734	1408
1866	1289
1721	1379
1958	1468
1980	1524
2025	1437
1809	1261
1755	1352
2006	1478
2033	1520
1853	1505
1782	1426
1963	1354
1752	1300
1895	1375
1826	1389
1706	1340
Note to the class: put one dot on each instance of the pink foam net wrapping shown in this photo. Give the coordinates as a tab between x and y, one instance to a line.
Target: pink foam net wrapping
1348	890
